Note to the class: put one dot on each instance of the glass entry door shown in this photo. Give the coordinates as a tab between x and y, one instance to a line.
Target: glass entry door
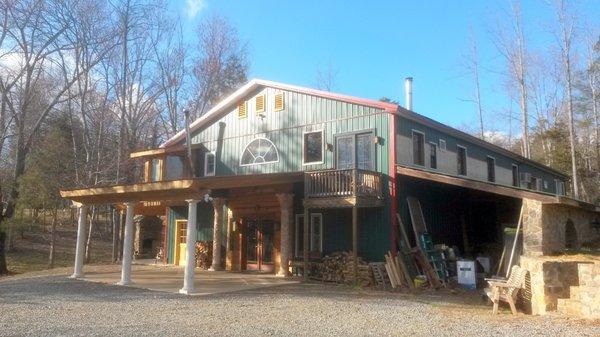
260	235
355	151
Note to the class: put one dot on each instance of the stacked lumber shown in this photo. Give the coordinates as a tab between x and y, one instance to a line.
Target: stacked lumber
204	254
394	271
339	267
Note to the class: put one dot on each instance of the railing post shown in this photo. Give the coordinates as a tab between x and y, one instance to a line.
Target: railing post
355	185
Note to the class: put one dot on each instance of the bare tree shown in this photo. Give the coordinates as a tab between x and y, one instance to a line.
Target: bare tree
565	34
221	65
471	64
326	78
592	75
513	49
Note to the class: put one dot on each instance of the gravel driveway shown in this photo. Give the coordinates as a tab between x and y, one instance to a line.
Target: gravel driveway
54	305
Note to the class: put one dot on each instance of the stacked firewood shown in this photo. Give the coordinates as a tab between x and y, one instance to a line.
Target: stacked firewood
339	267
204	254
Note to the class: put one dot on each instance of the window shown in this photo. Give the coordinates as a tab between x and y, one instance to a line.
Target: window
461	160
259	151
418	142
279	104
355	150
433	155
545	184
491	169
560	187
260	104
174	167
209	164
536	183
515	175
442	145
156	167
242	110
315	233
313	147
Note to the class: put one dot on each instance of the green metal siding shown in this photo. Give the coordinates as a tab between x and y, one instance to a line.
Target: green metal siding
204	225
476	156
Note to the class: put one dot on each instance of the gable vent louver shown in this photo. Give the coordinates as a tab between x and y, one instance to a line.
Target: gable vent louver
279	103
242	110
260	104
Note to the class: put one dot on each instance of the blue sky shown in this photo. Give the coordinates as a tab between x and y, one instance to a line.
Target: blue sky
374	45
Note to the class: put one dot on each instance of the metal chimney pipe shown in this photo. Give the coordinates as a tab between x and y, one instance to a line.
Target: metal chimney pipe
408	92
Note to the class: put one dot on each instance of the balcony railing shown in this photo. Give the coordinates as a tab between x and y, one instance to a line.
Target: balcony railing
342	183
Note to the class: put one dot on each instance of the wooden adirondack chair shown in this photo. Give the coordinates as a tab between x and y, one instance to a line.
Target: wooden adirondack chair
506	290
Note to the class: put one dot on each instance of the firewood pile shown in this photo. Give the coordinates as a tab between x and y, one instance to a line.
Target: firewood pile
339	267
204	254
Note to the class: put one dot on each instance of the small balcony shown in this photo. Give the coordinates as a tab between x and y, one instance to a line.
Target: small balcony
343	188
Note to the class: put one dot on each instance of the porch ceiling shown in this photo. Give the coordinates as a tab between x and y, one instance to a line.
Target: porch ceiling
175	190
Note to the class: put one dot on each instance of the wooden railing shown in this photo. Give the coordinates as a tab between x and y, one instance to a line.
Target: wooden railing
342	183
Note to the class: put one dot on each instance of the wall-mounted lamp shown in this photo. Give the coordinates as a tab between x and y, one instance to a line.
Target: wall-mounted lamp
377	140
329	147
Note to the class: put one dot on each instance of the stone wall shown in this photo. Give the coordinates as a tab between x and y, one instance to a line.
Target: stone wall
148	236
544	227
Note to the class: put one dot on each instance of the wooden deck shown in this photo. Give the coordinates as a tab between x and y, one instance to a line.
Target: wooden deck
342	189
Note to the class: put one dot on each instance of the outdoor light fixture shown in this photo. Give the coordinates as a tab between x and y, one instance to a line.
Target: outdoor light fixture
329	147
377	140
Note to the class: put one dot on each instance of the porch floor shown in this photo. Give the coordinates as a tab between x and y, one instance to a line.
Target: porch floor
170	279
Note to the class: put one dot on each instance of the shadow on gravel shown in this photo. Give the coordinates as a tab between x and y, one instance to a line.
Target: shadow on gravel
41	290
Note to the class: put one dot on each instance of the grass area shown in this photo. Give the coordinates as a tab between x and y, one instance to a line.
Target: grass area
31	248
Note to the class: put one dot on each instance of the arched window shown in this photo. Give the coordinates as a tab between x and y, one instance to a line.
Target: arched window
259	151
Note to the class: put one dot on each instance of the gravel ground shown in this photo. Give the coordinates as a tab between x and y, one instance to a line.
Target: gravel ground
53	305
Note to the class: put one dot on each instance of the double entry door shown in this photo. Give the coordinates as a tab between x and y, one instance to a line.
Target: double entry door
355	150
260	244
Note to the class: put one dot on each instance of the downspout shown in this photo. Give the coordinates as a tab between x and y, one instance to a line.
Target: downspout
392	185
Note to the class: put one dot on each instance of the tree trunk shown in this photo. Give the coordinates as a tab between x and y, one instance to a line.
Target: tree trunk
115	235
52	239
3	265
88	253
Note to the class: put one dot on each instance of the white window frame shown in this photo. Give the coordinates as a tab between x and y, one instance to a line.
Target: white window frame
413	147
211	153
487	169
442	141
466	161
518	175
320	216
322	147
298	251
437	155
258	164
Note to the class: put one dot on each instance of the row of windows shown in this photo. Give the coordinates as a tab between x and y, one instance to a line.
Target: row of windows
526	179
260	105
315	234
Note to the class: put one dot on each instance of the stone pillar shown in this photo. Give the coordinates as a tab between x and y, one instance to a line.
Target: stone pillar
218	220
190	246
532	227
127	246
229	245
286	202
80	248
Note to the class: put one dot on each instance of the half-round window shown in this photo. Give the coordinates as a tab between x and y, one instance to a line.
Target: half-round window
259	151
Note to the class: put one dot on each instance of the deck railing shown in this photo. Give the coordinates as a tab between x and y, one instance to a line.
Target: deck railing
342	183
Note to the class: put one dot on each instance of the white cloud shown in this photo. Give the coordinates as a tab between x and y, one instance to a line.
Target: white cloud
194	7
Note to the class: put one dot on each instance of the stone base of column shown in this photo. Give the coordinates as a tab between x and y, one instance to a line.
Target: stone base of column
75	276
281	274
215	268
123	283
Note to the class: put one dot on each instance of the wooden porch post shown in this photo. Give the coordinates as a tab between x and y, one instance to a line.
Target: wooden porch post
355	242
306	246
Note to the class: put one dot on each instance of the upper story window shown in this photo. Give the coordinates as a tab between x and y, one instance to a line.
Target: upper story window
355	150
418	140
560	187
491	169
442	144
259	151
210	165
433	155
174	167
313	147
515	175
461	160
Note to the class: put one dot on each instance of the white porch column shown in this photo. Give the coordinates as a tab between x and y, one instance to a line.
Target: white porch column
286	202
127	246
80	247
218	220
190	246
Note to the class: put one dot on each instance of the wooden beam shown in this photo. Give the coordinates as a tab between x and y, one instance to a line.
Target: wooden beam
343	202
476	185
306	246
158	152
